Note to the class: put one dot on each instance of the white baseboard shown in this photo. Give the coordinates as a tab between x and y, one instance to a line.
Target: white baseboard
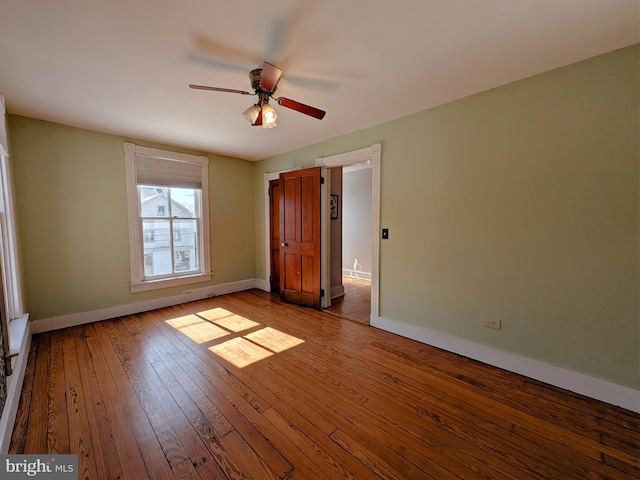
263	285
596	388
346	272
64	321
20	341
337	291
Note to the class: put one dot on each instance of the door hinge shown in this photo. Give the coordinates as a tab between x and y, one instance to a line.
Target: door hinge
322	293
321	180
269	191
269	278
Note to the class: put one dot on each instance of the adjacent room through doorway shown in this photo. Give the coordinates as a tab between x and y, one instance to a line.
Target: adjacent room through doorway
351	241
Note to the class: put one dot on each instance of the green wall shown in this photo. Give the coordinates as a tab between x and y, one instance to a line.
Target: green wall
71	207
519	203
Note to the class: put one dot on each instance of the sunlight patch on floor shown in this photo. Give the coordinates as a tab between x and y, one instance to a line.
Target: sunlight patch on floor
228	320
237	349
197	329
274	340
240	352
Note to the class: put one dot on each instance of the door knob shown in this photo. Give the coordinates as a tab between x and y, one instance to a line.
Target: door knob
283	244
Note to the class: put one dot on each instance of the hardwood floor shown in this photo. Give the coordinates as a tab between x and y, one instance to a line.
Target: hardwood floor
356	302
244	387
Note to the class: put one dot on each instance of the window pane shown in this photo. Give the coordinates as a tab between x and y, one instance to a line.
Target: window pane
154	201
157	247
183	202
185	238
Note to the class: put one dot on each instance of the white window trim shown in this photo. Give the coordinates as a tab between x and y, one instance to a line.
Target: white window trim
8	245
9	264
136	256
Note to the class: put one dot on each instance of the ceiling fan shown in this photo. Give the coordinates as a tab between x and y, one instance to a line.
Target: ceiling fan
264	82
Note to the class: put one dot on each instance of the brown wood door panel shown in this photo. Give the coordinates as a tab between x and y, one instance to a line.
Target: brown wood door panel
300	237
274	227
291	273
291	210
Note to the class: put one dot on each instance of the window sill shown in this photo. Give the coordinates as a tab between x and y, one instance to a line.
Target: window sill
169	282
17	332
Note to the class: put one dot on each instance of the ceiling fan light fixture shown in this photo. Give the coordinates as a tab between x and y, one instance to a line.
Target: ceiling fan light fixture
269	116
264	82
252	113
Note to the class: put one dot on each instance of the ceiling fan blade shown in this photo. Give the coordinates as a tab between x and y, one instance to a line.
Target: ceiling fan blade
218	89
302	108
269	77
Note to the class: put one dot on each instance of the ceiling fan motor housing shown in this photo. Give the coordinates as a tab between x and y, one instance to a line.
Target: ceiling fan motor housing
254	76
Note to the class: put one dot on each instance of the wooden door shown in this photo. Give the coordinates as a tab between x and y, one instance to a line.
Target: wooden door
300	237
274	229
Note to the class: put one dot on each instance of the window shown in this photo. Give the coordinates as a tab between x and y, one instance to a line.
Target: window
168	218
9	270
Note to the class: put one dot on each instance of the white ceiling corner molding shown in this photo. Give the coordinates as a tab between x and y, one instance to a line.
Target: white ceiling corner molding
4	144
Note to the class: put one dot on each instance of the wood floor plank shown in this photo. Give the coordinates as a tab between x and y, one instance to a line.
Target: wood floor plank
156	462
197	430
326	455
380	458
130	451
490	381
278	391
208	385
57	430
77	428
587	446
418	424
149	390
487	422
36	440
309	382
341	409
105	452
243	386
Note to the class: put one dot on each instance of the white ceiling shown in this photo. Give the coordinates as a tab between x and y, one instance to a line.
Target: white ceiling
123	66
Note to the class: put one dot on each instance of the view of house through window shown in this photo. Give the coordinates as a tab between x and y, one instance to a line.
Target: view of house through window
170	223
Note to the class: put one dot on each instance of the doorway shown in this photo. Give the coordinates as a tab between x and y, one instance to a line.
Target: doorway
350	241
371	156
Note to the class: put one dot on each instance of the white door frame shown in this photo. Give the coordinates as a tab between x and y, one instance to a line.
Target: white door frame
370	155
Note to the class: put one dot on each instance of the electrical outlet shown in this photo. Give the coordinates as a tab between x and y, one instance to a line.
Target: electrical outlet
491	323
